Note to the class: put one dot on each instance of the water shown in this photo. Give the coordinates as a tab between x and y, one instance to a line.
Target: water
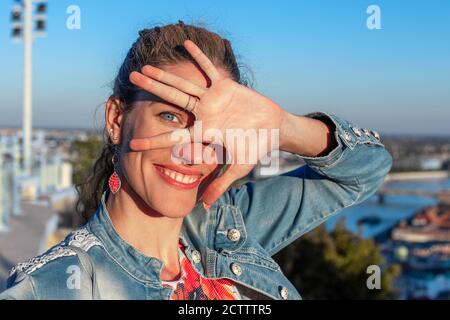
393	210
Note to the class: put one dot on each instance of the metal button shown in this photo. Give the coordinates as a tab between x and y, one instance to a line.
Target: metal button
234	234
196	256
347	136
236	269
376	135
357	131
284	293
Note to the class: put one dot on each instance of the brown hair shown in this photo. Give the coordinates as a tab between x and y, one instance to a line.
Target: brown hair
158	46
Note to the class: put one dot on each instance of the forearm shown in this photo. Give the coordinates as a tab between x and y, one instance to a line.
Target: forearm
299	200
359	158
306	136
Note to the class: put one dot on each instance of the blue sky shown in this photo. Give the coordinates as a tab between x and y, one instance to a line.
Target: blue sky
305	55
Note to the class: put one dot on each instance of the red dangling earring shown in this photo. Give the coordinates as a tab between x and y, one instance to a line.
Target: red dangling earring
114	180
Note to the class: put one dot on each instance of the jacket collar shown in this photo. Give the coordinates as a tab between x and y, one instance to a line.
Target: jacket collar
144	268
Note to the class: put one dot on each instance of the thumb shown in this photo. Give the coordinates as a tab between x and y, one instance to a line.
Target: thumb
219	185
163	140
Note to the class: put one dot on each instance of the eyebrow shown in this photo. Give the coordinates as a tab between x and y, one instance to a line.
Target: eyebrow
147	96
144	96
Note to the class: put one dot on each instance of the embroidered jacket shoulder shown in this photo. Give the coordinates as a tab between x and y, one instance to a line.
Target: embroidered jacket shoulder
80	238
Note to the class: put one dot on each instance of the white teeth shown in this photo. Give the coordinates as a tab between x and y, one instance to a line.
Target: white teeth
179	177
182	178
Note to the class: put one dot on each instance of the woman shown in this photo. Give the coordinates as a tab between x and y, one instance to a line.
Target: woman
164	223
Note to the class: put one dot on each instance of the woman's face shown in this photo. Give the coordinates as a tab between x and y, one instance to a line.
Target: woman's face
169	188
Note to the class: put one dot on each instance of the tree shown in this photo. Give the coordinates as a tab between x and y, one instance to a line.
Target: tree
86	152
333	265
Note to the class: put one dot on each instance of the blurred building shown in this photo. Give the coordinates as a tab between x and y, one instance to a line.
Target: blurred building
422	247
50	180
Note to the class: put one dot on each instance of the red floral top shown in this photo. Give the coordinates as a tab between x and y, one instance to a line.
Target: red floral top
192	286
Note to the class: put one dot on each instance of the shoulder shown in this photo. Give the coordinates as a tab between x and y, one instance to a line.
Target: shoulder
81	238
52	270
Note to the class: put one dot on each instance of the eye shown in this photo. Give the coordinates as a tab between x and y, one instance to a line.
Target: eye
169	116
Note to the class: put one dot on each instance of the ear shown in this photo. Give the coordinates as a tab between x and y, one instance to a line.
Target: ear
114	115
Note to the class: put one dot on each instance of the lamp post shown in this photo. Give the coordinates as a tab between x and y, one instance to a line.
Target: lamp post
22	27
3	207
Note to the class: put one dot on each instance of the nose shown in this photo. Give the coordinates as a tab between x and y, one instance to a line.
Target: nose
194	153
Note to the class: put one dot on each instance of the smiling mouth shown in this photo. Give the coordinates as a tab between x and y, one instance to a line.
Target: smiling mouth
178	179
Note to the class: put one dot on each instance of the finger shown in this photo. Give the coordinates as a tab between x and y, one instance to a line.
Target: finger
173	80
220	185
202	60
165	92
164	140
191	153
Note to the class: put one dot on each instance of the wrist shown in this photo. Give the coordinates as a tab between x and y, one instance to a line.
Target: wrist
305	136
285	131
276	120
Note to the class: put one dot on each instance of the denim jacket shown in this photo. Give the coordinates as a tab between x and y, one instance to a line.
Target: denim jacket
235	240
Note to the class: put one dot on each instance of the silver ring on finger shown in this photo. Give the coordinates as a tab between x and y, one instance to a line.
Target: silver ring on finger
195	104
187	104
190	107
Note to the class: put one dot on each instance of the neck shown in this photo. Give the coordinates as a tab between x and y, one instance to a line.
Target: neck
145	229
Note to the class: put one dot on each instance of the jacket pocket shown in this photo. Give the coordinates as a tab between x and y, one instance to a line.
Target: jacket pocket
252	256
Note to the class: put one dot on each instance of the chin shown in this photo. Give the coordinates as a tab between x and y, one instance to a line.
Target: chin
174	208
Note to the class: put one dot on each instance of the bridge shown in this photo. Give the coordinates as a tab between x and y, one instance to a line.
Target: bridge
418	175
442	195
